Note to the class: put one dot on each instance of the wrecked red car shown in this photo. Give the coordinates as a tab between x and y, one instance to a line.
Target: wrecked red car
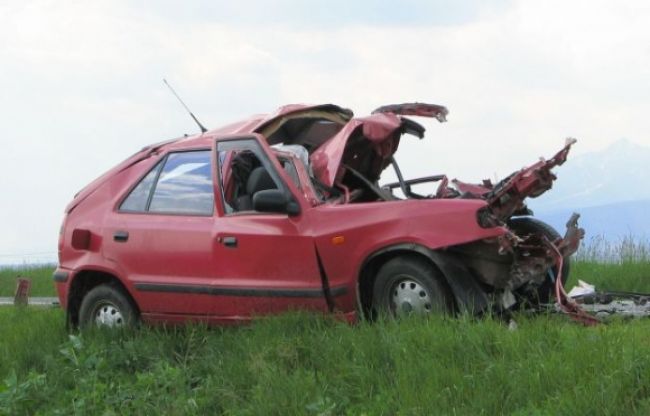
284	211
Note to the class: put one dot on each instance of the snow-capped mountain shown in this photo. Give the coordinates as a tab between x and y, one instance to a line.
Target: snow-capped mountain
609	188
611	222
615	174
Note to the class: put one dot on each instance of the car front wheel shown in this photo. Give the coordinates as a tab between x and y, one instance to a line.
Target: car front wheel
409	286
106	306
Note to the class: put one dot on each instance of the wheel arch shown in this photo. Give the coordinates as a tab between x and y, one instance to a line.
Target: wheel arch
84	281
467	293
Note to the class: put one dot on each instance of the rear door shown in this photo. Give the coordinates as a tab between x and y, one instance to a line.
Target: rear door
161	235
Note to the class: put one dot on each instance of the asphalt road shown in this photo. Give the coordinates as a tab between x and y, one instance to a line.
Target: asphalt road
32	301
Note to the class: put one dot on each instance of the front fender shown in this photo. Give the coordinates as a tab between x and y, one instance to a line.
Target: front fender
348	235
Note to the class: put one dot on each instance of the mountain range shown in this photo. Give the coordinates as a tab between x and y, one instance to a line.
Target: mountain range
607	188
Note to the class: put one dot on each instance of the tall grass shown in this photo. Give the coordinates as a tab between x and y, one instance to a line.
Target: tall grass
41	277
628	249
307	364
310	364
623	265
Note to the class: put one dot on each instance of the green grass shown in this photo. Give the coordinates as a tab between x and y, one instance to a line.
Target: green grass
627	276
42	283
308	364
623	266
305	364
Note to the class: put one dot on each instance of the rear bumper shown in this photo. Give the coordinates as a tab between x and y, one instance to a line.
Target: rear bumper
62	278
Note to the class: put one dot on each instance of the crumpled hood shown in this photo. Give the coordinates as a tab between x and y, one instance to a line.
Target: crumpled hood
378	133
379	130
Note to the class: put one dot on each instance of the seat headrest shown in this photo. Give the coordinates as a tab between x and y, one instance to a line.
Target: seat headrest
259	180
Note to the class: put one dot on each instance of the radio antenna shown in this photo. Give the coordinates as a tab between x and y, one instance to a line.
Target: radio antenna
196	120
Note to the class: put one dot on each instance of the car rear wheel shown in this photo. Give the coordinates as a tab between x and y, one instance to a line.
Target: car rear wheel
409	286
529	225
106	306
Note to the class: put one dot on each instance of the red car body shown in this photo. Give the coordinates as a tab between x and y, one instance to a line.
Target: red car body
320	254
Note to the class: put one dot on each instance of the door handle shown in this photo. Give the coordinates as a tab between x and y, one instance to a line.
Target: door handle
229	241
121	236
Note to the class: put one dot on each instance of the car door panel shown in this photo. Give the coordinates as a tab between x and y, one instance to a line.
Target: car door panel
272	268
164	253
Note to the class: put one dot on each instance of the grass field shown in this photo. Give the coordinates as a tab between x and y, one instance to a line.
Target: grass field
41	277
306	364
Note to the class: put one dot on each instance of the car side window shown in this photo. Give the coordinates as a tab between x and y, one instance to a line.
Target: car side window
180	184
244	169
184	185
139	196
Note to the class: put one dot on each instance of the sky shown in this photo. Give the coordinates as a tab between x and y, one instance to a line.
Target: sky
81	83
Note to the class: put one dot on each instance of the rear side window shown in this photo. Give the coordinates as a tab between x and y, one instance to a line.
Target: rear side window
183	185
139	196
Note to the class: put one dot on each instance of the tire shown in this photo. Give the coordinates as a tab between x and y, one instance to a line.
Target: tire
409	285
530	225
107	306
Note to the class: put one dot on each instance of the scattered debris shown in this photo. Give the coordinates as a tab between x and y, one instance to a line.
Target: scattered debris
512	325
608	304
582	289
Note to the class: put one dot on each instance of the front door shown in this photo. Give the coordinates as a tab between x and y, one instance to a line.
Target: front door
267	259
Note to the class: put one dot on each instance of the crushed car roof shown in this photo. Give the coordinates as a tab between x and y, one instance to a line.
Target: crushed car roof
382	129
